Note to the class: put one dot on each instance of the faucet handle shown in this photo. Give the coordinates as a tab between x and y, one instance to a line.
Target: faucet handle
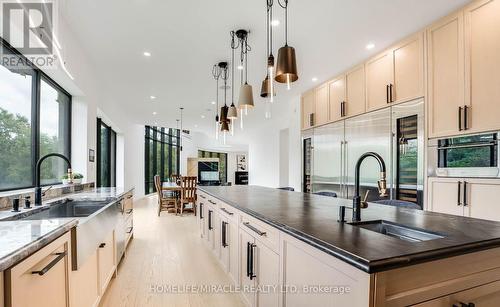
364	202
43	193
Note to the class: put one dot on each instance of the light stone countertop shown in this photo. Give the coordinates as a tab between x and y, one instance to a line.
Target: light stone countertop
21	238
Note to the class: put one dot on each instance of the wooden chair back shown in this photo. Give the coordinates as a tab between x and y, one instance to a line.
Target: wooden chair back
157	181
175	178
188	189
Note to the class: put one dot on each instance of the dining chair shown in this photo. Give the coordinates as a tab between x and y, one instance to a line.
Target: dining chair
188	193
175	178
166	199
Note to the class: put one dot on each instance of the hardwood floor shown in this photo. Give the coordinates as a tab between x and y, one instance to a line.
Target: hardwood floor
166	251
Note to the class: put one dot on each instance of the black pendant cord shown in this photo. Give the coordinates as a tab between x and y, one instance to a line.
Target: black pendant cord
267	27
285	6
216	72
246	63
232	70
270	4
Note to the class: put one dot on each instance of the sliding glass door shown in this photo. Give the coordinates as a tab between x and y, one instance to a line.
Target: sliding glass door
106	155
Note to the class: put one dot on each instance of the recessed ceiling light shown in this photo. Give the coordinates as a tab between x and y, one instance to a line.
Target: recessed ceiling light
240	67
203	116
146	53
156	123
154	113
196	126
275	23
212	102
370	46
152	97
314	79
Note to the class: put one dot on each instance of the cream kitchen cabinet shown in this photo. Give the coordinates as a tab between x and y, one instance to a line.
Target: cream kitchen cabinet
85	290
259	270
446	76
355	92
42	279
482	66
229	248
321	105
379	81
307	109
337	88
397	74
201	216
469	197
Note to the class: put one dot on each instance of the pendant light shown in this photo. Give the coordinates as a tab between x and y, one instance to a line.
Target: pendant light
245	100
286	68
233	112
216	72
224	120
267	88
180	134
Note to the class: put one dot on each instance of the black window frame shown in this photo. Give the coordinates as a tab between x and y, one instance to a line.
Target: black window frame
110	152
37	77
168	140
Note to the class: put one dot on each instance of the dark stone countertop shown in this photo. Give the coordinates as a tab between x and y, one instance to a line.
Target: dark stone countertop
313	219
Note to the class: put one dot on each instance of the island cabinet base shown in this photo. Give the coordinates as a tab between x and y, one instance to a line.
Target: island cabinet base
276	268
471	278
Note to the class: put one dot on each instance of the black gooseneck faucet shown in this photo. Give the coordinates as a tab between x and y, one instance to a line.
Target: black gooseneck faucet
38	188
382	184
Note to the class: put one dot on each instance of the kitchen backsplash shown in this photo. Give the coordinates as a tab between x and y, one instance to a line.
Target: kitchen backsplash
56	191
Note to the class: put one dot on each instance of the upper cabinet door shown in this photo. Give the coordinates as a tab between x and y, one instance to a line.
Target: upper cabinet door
321	111
337	98
445	75
409	69
379	77
308	109
355	92
482	62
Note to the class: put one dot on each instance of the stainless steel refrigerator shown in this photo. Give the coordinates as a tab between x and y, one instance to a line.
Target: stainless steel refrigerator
395	133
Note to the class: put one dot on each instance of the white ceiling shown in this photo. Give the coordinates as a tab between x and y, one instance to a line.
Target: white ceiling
186	38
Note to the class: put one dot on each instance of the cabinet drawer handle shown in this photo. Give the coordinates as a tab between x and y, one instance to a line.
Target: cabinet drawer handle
129	196
460	119
224	234
387	93
260	233
252	273
212	202
202	196
466	117
248	259
465	194
210	220
102	245
224	210
51	264
459	195
391	86
201	211
130	211
130	229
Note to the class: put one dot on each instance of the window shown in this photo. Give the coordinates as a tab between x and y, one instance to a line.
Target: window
222	162
35	119
161	155
106	155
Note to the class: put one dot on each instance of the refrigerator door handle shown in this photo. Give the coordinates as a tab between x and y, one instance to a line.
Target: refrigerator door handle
346	188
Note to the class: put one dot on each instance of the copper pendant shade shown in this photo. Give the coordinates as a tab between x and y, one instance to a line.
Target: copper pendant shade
246	96
286	68
225	126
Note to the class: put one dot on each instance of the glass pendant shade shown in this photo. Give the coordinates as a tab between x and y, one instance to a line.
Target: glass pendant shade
224	126
246	97
286	68
232	112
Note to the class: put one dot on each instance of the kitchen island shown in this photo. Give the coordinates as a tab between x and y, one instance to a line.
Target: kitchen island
294	242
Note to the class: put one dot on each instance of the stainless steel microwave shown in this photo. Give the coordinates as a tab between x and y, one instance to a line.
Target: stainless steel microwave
464	156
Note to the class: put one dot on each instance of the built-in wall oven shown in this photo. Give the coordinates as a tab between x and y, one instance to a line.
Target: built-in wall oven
465	156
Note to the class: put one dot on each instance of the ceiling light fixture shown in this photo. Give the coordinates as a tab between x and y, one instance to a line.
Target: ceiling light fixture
224	110
370	46
245	100
152	97
275	22
146	53
202	116
232	113
286	68
180	132
154	113
240	67
213	102
267	88
314	79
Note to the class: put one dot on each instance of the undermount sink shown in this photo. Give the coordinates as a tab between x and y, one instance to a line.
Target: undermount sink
398	231
69	208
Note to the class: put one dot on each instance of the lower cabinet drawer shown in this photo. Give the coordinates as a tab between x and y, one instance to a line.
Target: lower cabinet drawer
261	231
42	279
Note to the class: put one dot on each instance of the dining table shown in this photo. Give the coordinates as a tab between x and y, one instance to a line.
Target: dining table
170	186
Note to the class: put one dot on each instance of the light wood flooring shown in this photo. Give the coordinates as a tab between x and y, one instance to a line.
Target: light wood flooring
166	251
